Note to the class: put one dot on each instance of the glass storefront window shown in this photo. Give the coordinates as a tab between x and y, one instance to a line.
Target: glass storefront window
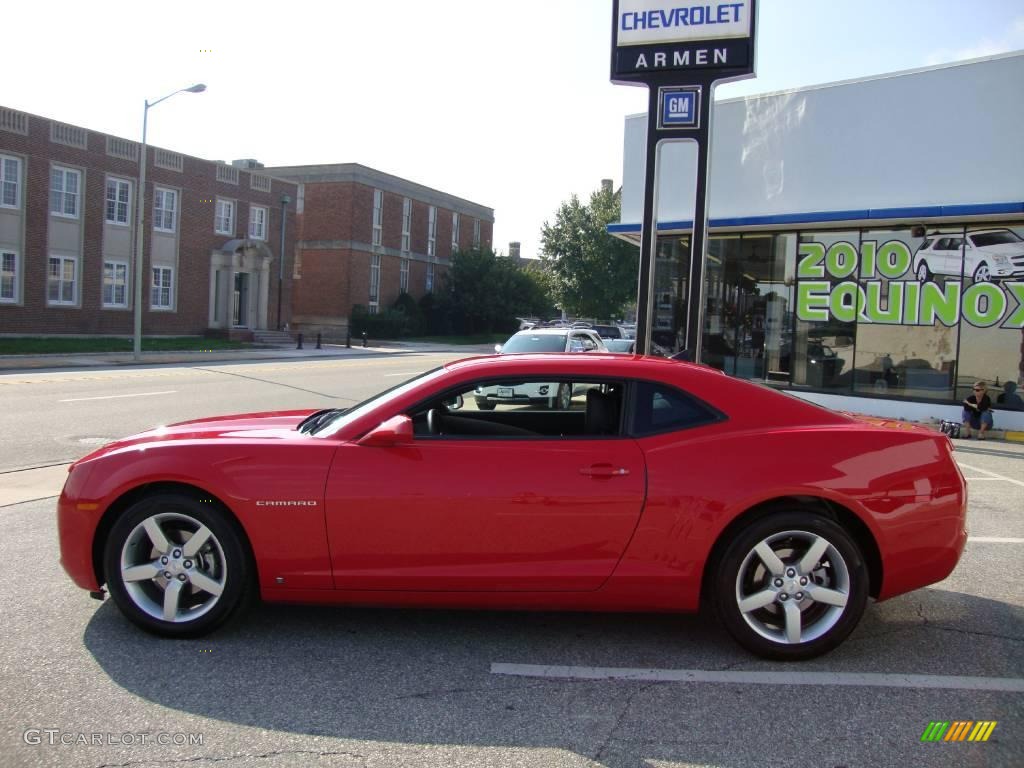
991	337
907	327
821	352
917	312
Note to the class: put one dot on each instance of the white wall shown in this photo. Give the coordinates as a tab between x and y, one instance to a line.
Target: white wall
944	135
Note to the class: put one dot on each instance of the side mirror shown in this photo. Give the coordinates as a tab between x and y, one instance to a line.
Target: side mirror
497	347
453	403
394	432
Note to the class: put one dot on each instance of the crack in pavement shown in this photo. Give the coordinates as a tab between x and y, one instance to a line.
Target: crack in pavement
622	716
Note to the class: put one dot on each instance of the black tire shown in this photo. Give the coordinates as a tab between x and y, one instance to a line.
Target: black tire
484	405
222	563
741	574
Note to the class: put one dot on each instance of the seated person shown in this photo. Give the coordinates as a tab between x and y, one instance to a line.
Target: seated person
977	411
1009	398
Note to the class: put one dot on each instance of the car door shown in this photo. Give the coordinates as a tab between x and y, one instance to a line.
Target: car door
479	512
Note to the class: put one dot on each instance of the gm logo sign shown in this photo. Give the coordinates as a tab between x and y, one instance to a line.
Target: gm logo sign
679	107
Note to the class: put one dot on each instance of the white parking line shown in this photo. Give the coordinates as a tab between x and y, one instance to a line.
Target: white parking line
992	475
114	397
994	540
865	679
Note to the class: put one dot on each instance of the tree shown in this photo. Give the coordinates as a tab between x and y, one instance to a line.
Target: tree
591	273
484	292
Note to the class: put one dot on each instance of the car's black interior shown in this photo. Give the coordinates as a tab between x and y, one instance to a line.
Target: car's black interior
602	417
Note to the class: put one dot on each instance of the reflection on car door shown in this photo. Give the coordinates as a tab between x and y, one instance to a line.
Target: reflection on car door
483	515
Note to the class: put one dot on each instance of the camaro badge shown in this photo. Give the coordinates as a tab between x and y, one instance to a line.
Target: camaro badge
298	503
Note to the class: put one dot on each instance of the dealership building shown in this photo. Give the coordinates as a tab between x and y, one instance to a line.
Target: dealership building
866	243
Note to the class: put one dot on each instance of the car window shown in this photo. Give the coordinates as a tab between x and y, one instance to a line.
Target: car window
955	243
927	243
534	342
661	408
942	245
589	345
530	408
985	239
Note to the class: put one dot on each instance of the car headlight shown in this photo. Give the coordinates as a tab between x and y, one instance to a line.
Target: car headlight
1001	259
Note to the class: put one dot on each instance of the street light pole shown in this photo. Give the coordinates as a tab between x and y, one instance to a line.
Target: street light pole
285	199
140	202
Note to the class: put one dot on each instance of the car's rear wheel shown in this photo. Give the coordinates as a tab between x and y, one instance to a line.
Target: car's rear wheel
923	274
791	586
982	274
483	404
177	566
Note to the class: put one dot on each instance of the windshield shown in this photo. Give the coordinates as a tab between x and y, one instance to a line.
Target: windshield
332	425
540	342
1004	237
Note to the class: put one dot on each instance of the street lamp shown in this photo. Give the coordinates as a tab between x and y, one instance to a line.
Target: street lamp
285	199
140	201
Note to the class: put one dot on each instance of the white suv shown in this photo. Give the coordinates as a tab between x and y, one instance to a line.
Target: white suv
553	394
984	255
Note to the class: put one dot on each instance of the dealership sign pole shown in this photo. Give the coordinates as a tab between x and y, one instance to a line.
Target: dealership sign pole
679	51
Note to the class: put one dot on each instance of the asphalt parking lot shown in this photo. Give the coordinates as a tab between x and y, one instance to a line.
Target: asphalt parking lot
300	686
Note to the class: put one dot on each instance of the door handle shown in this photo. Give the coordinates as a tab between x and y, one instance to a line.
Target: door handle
603	470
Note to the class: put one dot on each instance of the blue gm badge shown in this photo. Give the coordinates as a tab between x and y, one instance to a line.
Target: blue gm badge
679	107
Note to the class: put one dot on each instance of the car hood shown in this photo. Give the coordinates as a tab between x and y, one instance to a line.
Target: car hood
273	425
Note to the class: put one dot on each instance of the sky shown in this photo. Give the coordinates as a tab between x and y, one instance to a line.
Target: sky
506	103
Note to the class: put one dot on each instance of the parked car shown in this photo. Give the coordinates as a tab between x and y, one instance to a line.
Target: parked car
623	502
553	394
984	255
608	331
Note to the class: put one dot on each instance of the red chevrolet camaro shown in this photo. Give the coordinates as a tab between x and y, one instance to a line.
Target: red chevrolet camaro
661	484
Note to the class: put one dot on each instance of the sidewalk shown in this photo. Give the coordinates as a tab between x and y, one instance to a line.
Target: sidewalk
14	363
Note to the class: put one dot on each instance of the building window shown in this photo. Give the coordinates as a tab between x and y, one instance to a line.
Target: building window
378	216
431	231
224	218
119	195
403	277
115	284
429	285
257	222
165	204
476	233
455	232
162	293
10	180
374	283
8	277
406	225
65	186
62	280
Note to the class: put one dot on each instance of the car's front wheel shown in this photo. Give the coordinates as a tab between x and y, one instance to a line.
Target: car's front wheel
791	586
483	404
982	274
177	566
923	274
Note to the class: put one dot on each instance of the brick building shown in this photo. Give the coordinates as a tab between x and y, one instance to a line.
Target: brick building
366	236
67	236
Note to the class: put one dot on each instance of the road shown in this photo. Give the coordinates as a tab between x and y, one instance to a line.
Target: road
300	686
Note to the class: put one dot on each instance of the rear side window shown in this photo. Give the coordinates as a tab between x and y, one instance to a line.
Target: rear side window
660	408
